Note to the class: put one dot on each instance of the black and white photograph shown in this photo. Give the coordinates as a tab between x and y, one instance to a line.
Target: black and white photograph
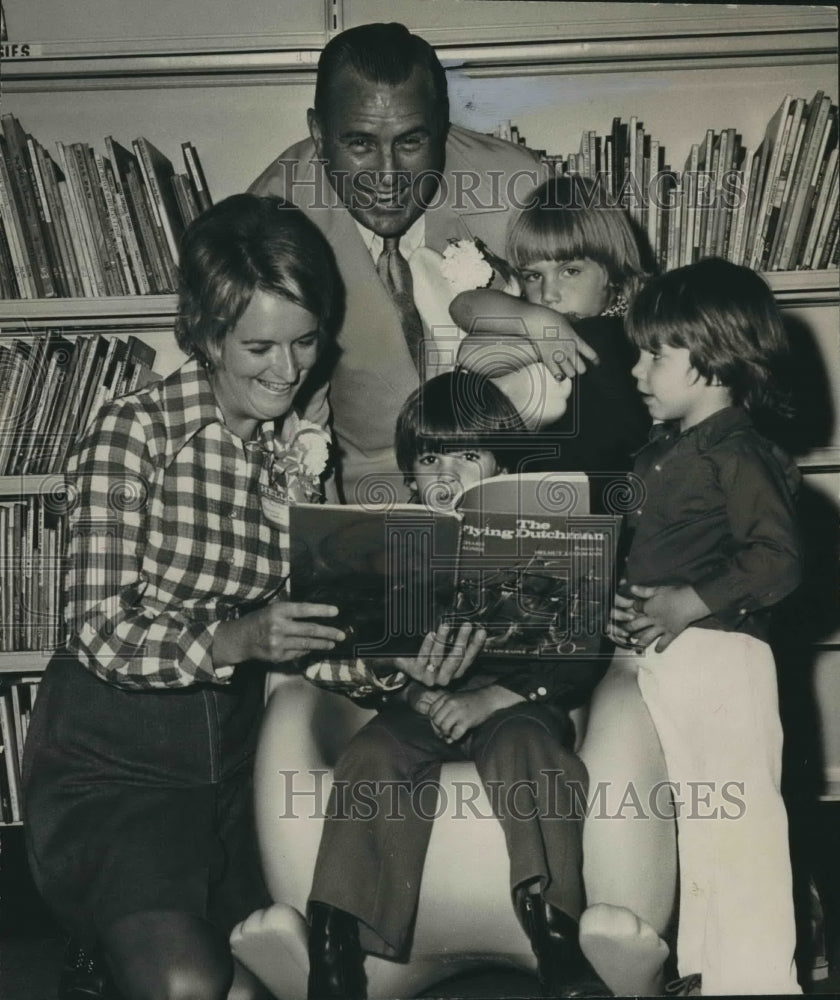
419	499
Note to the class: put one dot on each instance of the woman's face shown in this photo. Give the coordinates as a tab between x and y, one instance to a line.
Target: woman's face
263	361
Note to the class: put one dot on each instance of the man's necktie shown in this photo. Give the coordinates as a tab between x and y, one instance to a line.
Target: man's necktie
394	271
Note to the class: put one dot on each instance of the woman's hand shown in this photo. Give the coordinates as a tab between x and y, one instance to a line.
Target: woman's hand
444	655
276	633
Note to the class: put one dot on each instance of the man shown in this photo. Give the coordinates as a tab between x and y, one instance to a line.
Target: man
384	175
383	162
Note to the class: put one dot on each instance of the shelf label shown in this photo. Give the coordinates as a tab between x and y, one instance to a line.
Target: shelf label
19	50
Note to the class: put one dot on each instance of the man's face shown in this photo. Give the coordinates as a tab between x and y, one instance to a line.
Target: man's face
380	143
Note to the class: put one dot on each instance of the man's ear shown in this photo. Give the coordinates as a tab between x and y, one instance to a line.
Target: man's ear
315	130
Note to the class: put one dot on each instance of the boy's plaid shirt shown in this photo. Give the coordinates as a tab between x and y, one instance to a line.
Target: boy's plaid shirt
167	538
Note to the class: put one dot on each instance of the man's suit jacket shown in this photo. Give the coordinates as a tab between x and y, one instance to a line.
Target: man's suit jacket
375	374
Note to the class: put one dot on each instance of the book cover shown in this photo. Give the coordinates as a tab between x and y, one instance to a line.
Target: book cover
49	224
197	178
772	148
90	269
152	238
16	373
113	224
30	391
23	191
51	176
114	272
58	355
136	218
8	280
813	145
158	172
787	165
819	200
14	228
689	247
7	732
521	557
723	194
91	224
741	209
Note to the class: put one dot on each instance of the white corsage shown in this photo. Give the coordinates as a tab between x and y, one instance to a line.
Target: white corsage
299	458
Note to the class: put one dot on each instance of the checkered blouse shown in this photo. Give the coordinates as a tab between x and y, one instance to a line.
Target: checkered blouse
167	537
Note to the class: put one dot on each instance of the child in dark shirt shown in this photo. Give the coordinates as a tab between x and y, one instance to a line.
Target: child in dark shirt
512	723
578	263
713	547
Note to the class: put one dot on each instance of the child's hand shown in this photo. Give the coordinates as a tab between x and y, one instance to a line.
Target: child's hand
623	612
531	332
446	654
420	699
453	715
660	613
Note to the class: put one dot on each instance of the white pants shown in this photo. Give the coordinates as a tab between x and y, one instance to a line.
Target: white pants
713	698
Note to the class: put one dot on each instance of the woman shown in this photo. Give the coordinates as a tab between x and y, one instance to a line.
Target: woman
138	764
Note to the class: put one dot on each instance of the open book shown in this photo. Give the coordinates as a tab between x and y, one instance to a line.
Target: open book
521	557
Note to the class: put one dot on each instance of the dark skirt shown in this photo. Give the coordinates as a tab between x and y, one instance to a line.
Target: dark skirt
142	800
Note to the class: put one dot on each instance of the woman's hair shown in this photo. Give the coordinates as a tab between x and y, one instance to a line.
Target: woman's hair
570	218
726	317
242	244
458	409
381	53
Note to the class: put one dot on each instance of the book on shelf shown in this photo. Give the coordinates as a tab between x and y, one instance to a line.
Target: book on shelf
196	173
31	539
52	385
521	557
92	222
157	172
17	700
800	176
24	199
763	206
12	772
816	188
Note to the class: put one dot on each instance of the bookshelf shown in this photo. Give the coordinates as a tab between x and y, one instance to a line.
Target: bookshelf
173	71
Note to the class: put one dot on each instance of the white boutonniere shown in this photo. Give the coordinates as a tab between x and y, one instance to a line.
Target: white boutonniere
464	265
469	264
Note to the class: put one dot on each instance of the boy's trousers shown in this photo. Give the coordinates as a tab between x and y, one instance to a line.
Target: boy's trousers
713	698
385	794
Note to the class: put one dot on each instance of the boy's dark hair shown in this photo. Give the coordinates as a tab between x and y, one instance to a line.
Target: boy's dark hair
458	409
570	217
245	243
381	53
726	317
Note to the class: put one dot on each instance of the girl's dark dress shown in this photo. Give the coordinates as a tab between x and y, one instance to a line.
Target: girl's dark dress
605	421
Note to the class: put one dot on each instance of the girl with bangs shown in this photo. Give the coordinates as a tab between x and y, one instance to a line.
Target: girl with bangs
578	263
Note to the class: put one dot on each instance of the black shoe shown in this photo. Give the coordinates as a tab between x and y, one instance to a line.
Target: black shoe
563	969
336	962
84	976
